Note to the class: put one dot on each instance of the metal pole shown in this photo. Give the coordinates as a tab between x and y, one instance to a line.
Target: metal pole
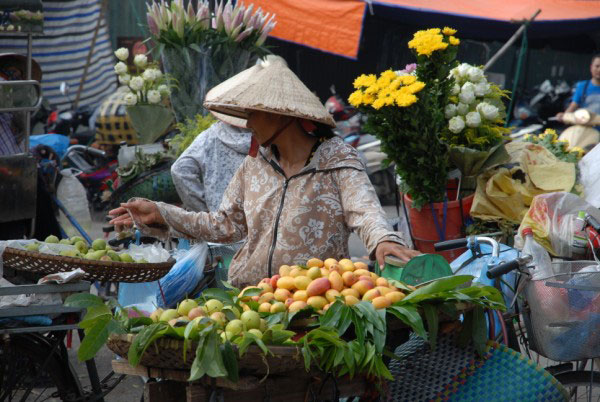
89	55
512	40
28	114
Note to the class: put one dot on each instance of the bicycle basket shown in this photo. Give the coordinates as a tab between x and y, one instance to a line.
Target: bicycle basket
565	311
224	253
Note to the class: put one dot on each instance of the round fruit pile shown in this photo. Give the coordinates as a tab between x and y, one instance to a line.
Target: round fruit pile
98	250
320	283
229	319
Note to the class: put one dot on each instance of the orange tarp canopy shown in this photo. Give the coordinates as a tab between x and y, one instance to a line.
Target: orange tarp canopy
335	26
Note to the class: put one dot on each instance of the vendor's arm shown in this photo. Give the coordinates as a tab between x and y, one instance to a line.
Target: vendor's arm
187	176
363	214
162	220
575	104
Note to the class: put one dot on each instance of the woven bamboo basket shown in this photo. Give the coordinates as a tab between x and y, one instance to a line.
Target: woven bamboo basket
103	271
167	353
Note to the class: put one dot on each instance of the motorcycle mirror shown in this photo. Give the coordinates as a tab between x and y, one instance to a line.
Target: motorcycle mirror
64	88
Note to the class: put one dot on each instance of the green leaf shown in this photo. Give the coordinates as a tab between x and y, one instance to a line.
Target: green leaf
230	361
437	286
424	268
249	292
213	357
218	294
409	316
93	314
274	318
479	330
137	321
231	287
332	316
83	300
431	315
143	340
95	338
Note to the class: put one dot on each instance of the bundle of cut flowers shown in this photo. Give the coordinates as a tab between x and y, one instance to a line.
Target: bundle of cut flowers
147	84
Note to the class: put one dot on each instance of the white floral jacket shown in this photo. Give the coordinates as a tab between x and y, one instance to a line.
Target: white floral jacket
288	220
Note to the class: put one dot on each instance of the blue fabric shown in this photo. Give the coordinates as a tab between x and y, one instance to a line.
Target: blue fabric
592	98
30	319
59	143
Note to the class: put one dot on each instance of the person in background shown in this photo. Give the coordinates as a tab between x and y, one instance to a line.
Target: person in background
203	171
587	93
13	67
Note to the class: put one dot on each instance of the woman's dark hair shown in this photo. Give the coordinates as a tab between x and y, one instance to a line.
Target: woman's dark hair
322	131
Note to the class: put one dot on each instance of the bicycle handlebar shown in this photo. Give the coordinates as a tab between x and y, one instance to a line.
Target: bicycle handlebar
450	244
506	267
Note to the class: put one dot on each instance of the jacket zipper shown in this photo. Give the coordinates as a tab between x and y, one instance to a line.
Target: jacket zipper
285	186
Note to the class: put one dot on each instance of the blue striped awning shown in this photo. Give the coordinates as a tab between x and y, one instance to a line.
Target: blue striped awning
63	49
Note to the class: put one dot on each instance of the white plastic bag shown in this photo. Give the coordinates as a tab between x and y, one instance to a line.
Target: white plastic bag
73	196
183	278
590	176
552	217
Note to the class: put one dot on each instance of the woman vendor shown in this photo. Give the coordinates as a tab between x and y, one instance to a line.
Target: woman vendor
299	196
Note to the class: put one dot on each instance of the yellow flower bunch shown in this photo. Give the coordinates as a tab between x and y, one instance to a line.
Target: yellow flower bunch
578	150
550	133
386	90
430	40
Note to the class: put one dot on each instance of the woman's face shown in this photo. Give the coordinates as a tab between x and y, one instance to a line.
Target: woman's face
263	125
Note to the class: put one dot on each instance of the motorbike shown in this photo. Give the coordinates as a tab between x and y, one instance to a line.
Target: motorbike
348	119
536	110
69	121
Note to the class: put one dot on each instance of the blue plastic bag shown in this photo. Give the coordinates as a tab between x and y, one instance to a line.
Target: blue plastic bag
183	278
59	143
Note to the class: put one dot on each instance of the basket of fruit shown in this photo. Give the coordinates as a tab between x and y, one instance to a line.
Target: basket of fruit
99	261
330	316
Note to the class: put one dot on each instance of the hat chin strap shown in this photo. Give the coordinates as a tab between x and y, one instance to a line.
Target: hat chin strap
254	143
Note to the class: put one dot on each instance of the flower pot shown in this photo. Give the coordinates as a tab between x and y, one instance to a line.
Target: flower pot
150	121
423	225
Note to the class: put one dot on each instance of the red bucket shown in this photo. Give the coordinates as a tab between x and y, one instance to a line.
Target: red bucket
423	226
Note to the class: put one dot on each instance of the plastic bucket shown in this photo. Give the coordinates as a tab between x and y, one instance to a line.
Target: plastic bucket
425	230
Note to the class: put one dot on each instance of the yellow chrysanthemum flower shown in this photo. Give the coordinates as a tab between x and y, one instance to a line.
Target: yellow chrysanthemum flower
454	41
448	31
364	81
388	75
426	44
368	99
355	98
405	100
579	151
395	84
389	100
415	87
527	136
551	134
373	89
407	79
378	104
550	131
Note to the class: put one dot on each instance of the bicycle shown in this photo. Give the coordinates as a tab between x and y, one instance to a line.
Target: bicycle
551	310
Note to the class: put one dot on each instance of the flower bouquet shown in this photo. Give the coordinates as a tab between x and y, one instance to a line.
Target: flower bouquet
200	48
475	130
405	110
148	89
559	148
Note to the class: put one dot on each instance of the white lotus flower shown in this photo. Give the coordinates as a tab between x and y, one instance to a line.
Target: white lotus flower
140	60
136	83
164	90
153	96
151	74
462	109
482	89
455	89
466	96
124	79
473	119
130	99
475	74
450	110
120	68
463	70
487	111
468	86
122	53
456	124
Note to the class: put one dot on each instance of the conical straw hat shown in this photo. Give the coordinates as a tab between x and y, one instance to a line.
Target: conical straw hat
269	86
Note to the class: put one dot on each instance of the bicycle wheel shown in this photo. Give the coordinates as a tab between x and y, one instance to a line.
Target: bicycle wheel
34	368
581	385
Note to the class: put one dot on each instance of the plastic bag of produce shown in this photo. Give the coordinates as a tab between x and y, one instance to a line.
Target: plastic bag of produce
183	278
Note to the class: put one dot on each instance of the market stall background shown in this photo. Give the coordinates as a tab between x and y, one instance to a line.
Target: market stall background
63	49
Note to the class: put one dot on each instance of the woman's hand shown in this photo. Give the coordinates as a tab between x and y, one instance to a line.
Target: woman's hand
146	212
390	248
